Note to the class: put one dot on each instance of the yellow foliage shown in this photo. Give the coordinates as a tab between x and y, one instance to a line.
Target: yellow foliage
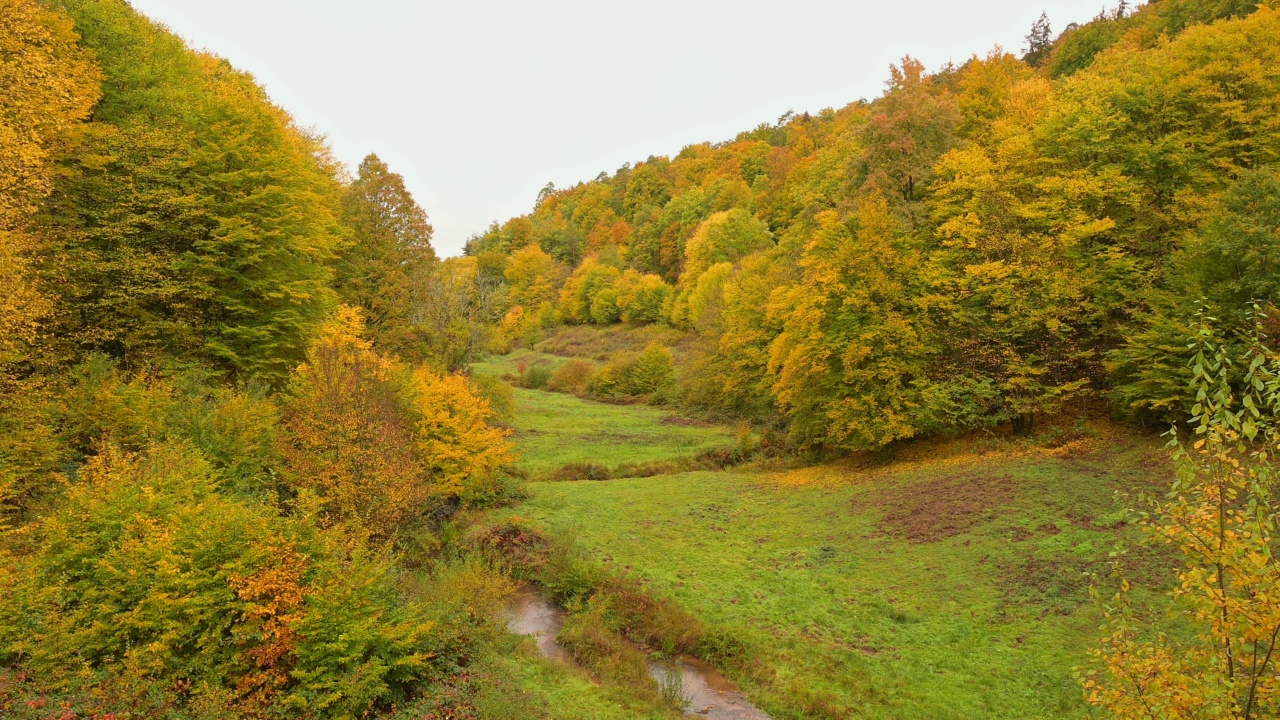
454	439
1221	516
48	83
351	440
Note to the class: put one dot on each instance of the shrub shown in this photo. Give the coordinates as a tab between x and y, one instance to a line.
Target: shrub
151	577
649	374
537	376
580	471
597	646
572	377
513	545
499	395
652	621
654	373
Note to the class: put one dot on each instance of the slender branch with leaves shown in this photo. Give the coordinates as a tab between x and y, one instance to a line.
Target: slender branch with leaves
1221	514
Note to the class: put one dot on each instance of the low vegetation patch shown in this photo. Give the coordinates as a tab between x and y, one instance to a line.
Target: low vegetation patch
944	507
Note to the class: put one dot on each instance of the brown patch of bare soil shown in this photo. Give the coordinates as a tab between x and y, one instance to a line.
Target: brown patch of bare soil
684	421
943	507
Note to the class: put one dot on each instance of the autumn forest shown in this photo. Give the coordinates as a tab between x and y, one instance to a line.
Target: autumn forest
960	402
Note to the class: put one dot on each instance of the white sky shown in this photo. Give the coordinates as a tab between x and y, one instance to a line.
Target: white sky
479	103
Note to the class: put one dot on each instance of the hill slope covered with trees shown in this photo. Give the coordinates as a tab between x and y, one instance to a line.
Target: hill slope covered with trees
990	243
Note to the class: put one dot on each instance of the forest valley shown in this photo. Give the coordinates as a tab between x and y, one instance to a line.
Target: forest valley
961	402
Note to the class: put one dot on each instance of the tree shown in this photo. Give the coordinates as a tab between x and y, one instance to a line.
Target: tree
389	253
49	84
351	440
454	309
642	298
452	434
534	277
580	291
1039	42
909	129
726	236
851	353
191	218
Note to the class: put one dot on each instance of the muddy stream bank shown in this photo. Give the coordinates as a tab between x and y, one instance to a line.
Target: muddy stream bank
707	692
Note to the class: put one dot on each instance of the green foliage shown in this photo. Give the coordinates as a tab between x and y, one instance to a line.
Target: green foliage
191	218
1229	265
578	297
150	573
649	374
642	298
1041	222
500	396
1078	46
724	237
388	258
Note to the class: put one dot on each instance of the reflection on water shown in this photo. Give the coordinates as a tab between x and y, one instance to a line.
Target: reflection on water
707	692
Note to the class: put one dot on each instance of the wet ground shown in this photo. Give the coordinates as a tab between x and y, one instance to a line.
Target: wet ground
707	693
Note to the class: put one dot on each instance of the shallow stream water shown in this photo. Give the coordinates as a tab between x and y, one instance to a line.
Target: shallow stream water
707	692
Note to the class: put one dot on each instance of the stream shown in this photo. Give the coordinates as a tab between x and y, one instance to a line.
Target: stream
707	692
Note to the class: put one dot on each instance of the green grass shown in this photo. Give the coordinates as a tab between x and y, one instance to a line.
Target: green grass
850	606
555	429
558	692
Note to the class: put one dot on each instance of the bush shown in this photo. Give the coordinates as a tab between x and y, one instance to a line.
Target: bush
513	545
597	646
579	471
656	622
537	376
572	377
650	374
152	577
533	376
499	395
654	373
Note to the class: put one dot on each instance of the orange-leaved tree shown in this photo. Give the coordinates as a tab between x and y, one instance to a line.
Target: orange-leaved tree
1221	514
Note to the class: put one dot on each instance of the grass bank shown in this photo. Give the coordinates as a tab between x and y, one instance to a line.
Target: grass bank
944	587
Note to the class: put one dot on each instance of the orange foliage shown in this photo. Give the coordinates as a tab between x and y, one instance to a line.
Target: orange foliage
274	596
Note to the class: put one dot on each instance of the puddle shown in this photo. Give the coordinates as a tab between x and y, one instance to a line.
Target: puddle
708	693
531	615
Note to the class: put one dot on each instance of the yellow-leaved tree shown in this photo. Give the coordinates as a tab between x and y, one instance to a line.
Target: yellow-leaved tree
378	443
350	440
47	84
452	435
1221	514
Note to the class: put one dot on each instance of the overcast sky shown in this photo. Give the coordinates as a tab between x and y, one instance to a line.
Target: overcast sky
480	103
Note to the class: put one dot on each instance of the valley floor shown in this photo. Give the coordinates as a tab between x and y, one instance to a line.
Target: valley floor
949	582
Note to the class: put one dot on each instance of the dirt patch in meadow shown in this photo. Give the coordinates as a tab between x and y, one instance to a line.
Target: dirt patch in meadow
684	421
943	507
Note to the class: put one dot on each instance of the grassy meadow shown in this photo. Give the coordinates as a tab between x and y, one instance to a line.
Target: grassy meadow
556	429
951	581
